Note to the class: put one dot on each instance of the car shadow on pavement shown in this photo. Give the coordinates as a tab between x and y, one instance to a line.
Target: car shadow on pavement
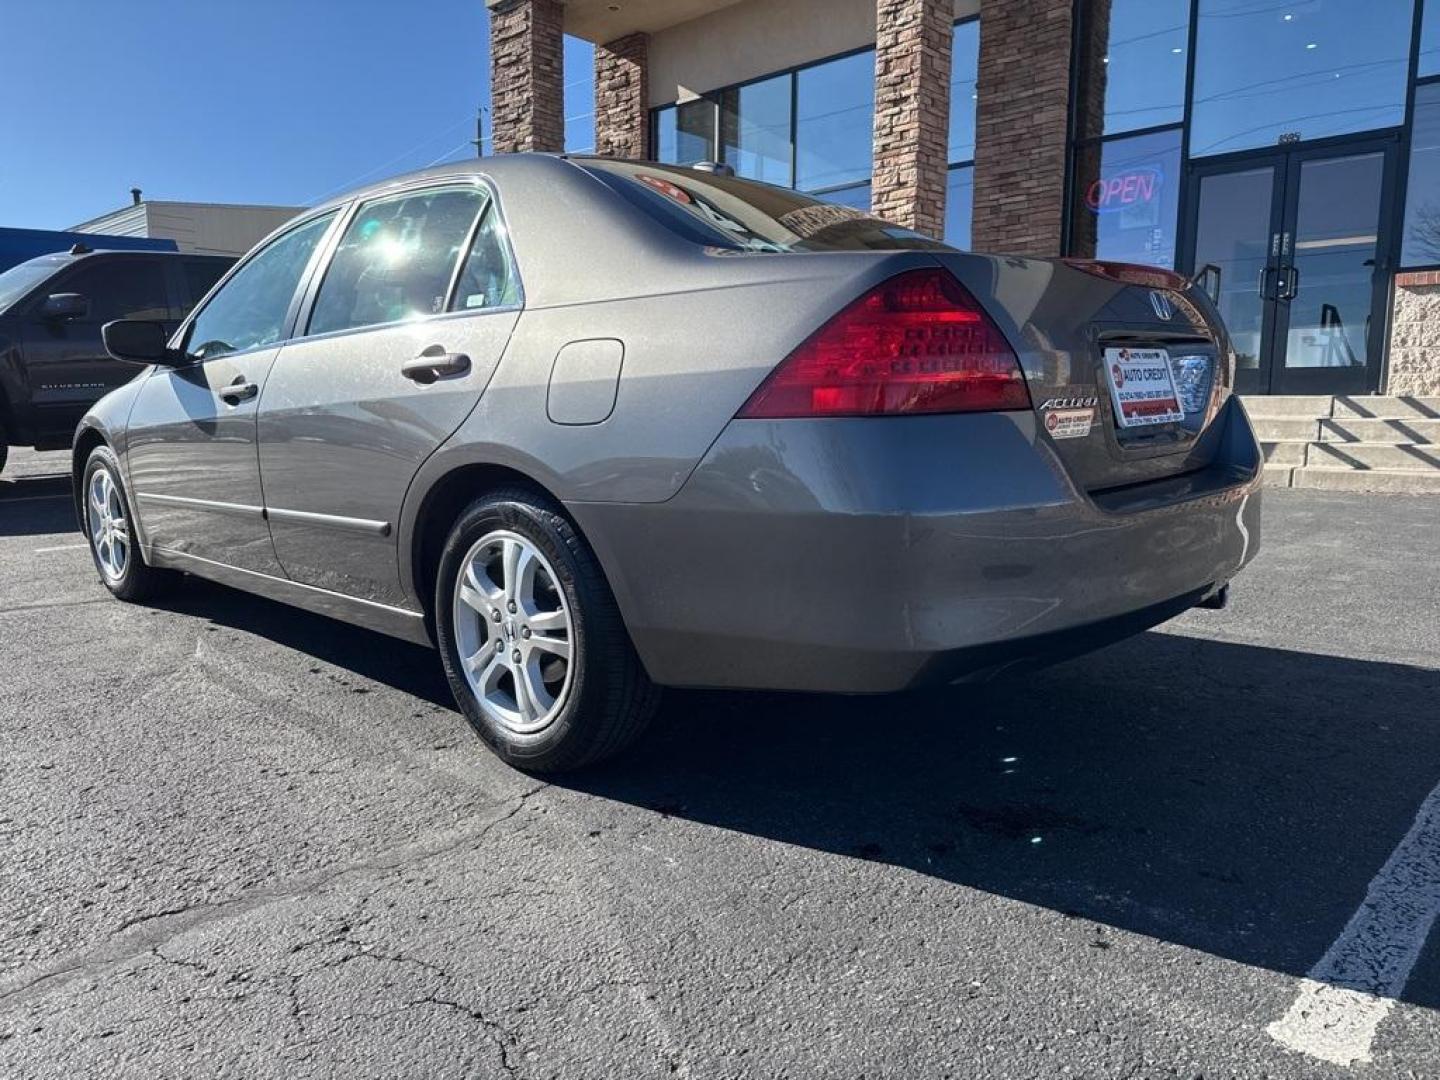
1225	797
1229	798
36	506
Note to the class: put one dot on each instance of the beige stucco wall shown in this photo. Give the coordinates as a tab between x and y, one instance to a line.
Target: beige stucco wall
1414	366
758	37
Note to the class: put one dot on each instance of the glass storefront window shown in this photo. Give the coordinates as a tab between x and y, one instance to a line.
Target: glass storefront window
1268	73
1430	39
857	197
964	68
755	130
1420	244
1127	199
834	121
1132	70
685	133
959	199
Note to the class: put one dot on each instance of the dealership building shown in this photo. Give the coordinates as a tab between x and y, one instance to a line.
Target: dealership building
1293	145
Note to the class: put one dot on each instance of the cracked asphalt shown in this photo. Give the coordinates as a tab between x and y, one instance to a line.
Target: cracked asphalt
242	841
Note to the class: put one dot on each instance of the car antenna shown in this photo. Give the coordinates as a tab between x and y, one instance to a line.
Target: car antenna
80	248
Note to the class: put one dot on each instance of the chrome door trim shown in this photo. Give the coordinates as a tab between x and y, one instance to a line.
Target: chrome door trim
330	521
235	509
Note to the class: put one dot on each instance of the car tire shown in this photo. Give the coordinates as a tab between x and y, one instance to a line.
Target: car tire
110	531
538	658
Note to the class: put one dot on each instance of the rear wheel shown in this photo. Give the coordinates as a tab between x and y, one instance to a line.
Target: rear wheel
109	528
532	641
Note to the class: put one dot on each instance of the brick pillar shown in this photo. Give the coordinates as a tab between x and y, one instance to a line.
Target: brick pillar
913	41
1090	122
1414	366
527	77
1024	91
622	97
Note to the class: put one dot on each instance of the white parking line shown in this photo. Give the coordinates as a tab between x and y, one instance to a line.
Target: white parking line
60	547
1349	992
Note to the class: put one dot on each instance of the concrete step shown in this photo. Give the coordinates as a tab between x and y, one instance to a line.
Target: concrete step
1287	406
1284	453
1364	455
1406	482
1268	429
1388	408
1277	476
1417	432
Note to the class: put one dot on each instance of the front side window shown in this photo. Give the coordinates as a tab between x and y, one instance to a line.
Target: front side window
1268	73
250	310
1421	242
1127	199
396	259
120	289
834	122
20	279
201	276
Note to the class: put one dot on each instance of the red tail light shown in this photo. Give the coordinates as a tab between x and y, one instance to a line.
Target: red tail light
919	343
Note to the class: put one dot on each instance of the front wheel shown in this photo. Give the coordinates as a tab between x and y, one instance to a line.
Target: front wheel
533	644
109	526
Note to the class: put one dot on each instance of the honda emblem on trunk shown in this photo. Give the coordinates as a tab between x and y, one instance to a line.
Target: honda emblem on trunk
1161	303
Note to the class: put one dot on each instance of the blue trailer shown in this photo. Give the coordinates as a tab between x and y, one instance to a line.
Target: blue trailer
17	245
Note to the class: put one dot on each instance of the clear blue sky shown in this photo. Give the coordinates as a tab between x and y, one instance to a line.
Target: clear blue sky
260	101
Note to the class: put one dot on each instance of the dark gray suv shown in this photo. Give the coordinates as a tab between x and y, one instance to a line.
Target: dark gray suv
53	365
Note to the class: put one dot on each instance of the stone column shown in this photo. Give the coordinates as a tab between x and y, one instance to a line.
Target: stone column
622	97
1414	367
1021	122
913	42
527	76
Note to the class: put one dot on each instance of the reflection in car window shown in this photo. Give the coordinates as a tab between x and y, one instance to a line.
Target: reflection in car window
249	310
726	212
120	289
396	259
488	277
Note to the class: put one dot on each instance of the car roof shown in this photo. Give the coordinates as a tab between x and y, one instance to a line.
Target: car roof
502	168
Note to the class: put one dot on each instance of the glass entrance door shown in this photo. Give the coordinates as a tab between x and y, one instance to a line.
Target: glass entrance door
1300	241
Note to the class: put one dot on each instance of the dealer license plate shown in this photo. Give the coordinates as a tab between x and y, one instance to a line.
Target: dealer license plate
1142	387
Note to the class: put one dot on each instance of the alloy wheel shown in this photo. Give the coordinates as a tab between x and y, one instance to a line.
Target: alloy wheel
513	631
109	530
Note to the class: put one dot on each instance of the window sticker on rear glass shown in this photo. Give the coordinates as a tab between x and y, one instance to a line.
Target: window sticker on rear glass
1142	387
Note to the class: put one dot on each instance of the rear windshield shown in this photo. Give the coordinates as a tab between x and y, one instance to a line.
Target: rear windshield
742	215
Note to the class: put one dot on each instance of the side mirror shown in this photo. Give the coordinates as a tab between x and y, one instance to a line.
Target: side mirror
63	306
138	340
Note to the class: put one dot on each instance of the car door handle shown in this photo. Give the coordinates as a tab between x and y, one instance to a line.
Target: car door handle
239	391
435	363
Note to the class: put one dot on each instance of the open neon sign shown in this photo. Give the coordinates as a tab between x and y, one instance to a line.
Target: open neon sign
1122	190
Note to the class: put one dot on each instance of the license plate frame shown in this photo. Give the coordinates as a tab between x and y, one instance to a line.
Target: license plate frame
1142	387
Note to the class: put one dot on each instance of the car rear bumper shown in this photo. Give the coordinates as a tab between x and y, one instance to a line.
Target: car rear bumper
876	554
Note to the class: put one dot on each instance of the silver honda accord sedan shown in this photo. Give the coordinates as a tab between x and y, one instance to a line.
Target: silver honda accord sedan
591	427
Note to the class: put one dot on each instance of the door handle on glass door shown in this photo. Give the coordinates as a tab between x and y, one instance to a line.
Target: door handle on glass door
239	391
435	363
1291	287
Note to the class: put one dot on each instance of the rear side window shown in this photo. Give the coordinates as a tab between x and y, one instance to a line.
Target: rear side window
200	278
742	215
397	259
488	279
120	289
250	309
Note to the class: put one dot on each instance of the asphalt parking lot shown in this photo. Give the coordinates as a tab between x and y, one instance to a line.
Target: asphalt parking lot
240	840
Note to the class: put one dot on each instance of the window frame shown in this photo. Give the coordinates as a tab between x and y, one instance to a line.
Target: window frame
352	209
